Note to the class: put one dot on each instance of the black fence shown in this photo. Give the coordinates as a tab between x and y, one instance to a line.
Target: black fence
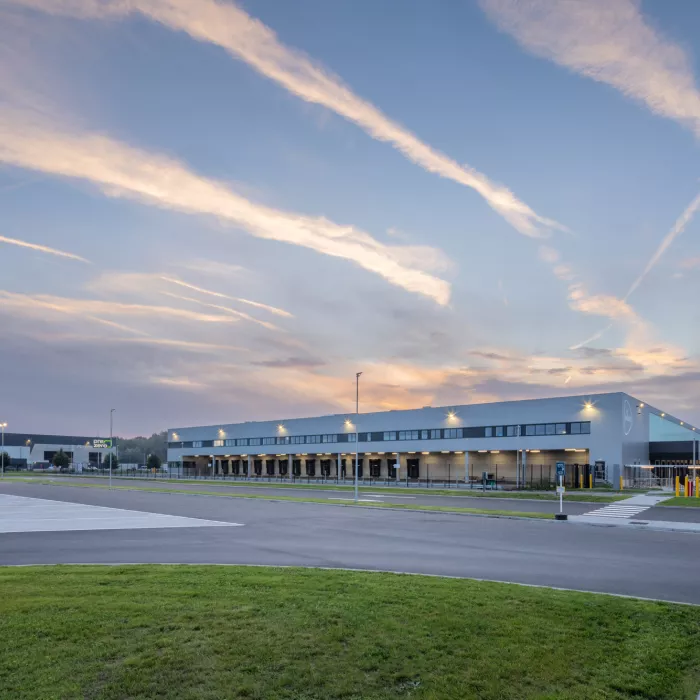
536	477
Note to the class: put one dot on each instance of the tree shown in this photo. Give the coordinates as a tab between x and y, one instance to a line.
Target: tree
6	457
110	457
132	450
61	459
153	462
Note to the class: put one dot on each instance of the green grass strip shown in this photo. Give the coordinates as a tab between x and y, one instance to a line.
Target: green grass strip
299	499
682	501
205	633
577	495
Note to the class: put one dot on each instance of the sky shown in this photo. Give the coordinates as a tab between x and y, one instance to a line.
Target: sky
213	212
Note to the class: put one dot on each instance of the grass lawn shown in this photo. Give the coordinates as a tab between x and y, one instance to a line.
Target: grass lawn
299	499
210	633
585	495
682	501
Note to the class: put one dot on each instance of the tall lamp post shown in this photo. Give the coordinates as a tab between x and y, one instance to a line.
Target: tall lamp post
111	446
357	434
2	469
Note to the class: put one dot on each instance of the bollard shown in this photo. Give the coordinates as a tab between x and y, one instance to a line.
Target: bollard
590	481
580	481
678	486
622	484
697	487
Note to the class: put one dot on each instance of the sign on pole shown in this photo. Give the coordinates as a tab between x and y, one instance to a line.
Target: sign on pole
561	473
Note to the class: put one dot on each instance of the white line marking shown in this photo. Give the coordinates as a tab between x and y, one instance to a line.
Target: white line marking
389	495
23	514
350	498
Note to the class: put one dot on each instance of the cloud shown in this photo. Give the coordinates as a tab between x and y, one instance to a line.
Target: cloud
119	170
666	242
106	308
690	263
248	39
42	249
292	362
620	308
201	290
226	309
608	41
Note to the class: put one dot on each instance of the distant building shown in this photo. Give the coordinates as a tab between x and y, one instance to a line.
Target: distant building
26	449
510	441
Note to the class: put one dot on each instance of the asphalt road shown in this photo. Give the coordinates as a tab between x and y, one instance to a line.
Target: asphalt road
367	494
560	554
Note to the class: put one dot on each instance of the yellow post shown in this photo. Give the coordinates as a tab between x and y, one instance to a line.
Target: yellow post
590	481
678	486
622	484
580	481
697	487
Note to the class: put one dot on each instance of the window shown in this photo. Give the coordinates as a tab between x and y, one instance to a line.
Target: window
488	432
539	430
196	443
330	438
511	431
298	439
529	430
283	440
453	432
408	434
561	428
390	436
229	443
313	438
218	443
550	428
352	437
575	428
242	442
499	431
585	428
368	437
254	441
269	441
423	434
435	434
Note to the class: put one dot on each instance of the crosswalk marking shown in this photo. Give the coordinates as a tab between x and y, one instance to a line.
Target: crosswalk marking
618	511
627	509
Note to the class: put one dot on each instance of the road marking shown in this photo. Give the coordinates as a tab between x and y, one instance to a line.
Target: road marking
387	495
350	498
626	509
24	514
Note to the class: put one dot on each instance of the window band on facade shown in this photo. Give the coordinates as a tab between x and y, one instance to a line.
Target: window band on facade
497	431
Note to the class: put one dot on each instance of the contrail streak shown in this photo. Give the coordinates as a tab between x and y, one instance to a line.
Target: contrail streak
42	248
246	38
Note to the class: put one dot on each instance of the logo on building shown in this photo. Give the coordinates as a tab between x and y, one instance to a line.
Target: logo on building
102	444
627	417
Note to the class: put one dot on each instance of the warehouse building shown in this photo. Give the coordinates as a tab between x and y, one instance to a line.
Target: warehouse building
515	442
29	449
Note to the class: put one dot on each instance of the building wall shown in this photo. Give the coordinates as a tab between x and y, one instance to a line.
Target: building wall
619	433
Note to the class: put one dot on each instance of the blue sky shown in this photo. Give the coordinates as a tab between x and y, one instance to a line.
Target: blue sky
455	198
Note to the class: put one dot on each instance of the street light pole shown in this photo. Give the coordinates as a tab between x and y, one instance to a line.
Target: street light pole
357	434
111	446
2	469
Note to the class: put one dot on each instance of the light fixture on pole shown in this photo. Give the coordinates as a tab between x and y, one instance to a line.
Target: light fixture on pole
111	446
2	458
357	434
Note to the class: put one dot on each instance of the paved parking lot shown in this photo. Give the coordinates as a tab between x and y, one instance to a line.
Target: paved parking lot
23	514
